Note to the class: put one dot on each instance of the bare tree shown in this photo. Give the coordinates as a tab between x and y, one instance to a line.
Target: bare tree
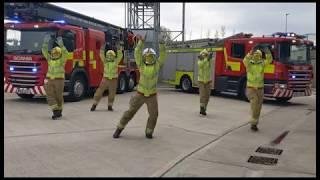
223	31
208	33
166	34
216	35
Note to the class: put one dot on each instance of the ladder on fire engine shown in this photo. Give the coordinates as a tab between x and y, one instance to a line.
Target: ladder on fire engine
45	12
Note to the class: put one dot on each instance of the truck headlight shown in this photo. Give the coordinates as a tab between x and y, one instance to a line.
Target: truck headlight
34	69
11	68
283	86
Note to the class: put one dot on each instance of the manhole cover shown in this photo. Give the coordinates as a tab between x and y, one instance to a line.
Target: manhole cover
267	150
263	160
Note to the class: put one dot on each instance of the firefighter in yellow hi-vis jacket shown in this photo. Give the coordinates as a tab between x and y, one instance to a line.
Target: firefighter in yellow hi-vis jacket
149	68
55	76
204	79
110	77
255	62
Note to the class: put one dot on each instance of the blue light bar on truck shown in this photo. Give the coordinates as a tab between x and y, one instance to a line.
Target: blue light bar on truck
281	34
12	21
59	21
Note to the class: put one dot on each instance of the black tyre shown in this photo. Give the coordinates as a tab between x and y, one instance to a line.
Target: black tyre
186	84
283	100
26	96
131	82
77	88
122	83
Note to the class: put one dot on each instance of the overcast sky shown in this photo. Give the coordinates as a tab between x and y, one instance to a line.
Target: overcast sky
201	18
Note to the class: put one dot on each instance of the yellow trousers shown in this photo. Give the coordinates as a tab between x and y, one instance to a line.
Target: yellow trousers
205	92
255	97
111	85
54	89
135	103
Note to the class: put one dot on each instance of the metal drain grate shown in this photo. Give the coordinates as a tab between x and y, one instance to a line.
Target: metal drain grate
267	150
263	160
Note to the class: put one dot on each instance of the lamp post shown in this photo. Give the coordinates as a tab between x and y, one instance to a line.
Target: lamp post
286	21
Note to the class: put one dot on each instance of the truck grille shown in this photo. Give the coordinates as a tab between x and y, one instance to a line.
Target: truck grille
299	80
22	74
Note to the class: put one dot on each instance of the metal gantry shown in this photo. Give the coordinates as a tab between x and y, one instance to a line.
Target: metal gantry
144	17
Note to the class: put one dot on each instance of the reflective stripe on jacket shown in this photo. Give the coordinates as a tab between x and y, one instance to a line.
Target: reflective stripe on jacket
55	66
255	70
205	70
148	73
110	67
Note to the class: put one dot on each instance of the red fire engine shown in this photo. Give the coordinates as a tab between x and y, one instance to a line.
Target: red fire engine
289	75
25	68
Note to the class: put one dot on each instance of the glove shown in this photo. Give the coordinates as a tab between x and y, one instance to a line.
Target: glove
210	55
59	41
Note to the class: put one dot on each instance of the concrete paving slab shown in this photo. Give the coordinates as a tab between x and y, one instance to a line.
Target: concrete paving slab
81	143
234	149
96	153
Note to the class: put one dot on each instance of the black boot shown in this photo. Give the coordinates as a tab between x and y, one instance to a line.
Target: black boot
56	114
149	136
117	133
93	108
59	113
254	127
203	111
110	108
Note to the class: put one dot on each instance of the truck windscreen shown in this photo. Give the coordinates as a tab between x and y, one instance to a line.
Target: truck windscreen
26	41
294	53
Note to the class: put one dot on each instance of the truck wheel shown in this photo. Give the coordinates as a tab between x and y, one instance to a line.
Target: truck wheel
26	96
131	82
122	83
186	84
77	89
283	100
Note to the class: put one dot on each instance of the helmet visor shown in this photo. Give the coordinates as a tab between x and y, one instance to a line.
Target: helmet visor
150	58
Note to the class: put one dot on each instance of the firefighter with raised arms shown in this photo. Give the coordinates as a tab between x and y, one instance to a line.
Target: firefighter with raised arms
149	67
255	62
110	76
204	79
54	83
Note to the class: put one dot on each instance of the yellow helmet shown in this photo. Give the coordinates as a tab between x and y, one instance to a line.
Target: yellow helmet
110	55
257	55
204	53
56	52
149	55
